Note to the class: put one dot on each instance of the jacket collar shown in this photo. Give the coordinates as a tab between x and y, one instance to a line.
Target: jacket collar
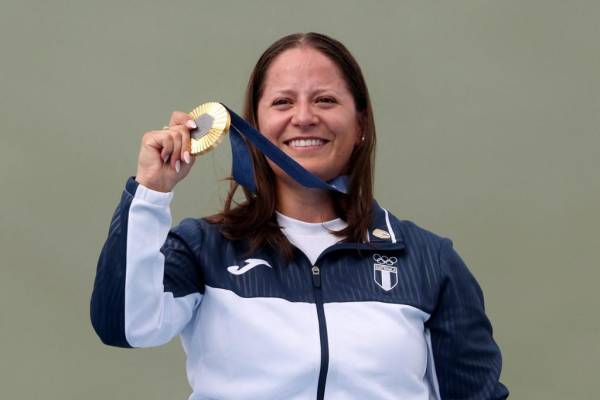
381	234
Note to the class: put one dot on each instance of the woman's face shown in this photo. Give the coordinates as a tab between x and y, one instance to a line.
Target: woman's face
308	112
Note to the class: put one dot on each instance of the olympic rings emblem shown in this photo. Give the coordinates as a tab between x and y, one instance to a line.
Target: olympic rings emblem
385	260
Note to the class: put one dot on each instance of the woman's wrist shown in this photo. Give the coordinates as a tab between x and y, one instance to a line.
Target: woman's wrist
155	186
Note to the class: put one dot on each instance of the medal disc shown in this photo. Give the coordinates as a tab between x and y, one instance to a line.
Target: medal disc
213	121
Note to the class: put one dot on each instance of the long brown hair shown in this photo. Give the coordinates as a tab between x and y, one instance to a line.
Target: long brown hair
254	218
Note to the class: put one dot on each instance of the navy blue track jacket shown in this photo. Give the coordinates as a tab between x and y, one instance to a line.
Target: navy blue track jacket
397	317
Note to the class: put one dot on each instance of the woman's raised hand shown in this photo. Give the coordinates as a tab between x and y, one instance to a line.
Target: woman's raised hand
164	157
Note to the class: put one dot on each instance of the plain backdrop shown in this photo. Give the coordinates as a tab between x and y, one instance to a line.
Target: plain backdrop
488	119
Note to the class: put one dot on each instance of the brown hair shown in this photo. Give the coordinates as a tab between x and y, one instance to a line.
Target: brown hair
254	218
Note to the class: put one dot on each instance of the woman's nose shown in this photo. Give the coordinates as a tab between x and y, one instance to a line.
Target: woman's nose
304	115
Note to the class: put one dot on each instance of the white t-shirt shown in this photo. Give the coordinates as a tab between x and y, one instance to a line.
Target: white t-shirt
311	238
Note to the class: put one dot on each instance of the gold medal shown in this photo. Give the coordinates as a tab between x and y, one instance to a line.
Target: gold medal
213	123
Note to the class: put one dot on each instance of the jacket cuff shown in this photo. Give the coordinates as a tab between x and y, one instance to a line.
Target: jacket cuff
141	192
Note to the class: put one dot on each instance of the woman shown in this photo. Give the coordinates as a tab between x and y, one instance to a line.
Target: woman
295	293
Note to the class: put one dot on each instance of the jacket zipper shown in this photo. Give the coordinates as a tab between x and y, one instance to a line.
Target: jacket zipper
318	293
316	278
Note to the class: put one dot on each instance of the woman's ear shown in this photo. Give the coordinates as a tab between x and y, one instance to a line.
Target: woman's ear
360	137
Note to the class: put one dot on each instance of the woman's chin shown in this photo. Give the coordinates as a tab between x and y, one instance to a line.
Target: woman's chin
323	175
319	171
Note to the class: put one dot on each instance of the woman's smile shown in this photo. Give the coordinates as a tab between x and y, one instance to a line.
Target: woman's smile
306	144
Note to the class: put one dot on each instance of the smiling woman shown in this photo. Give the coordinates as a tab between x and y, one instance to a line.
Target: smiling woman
307	94
295	292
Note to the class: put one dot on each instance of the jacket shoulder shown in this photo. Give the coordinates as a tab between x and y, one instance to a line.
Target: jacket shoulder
412	234
192	227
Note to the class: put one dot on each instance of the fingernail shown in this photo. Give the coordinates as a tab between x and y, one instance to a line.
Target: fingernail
177	166
190	123
186	157
166	157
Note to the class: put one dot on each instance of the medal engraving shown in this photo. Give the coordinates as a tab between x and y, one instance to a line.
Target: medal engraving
204	123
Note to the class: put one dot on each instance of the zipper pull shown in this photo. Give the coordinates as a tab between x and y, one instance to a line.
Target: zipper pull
316	274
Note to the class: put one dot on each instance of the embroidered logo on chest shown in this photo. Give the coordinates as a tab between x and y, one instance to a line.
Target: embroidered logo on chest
384	272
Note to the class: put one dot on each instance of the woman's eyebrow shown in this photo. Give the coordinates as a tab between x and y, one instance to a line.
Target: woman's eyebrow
327	90
274	92
314	92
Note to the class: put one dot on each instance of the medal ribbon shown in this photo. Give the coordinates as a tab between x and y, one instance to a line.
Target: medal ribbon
243	170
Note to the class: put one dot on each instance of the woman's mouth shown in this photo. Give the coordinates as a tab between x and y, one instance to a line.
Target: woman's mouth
306	143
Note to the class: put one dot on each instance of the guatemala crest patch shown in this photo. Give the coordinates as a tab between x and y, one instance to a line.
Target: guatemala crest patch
384	271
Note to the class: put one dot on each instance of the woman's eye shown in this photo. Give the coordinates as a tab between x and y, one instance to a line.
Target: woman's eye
327	100
279	102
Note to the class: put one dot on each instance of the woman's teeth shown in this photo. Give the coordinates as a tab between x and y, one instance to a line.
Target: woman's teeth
306	142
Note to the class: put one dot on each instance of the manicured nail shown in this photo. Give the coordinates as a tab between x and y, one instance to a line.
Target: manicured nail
166	157
186	157
190	123
177	166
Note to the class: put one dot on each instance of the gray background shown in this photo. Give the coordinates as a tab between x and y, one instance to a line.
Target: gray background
488	123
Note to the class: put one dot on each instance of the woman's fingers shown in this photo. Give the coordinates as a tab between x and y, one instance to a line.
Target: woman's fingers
176	153
180	118
186	148
182	123
181	146
160	141
167	145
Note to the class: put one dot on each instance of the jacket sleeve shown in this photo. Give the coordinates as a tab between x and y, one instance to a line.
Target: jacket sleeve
147	282
467	360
